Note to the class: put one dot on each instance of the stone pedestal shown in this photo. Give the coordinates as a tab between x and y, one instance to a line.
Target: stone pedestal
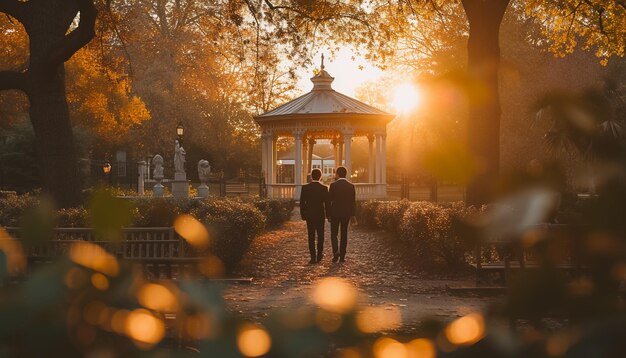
203	191
180	186
158	189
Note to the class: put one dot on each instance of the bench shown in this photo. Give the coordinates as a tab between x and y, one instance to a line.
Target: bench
236	189
505	259
160	252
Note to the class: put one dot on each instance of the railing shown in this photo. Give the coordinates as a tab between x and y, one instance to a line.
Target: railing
370	191
363	191
159	250
281	191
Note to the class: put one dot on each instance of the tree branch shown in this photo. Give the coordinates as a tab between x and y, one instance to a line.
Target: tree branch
14	8
78	38
12	80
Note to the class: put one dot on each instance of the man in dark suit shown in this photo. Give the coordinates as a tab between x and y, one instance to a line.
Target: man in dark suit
313	208
342	197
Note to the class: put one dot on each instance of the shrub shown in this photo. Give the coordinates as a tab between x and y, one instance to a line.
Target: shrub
12	207
438	230
389	214
157	212
276	211
233	225
72	217
366	212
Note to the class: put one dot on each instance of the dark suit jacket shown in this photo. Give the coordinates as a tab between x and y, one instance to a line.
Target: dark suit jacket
314	201
342	199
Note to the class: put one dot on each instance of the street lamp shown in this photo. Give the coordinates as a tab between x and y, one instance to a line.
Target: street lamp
106	168
180	129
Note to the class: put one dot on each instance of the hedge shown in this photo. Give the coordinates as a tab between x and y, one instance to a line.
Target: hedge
435	231
232	223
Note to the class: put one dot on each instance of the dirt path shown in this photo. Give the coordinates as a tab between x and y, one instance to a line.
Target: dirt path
383	271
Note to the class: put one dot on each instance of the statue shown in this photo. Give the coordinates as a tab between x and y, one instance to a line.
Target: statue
158	175
179	158
204	169
158	167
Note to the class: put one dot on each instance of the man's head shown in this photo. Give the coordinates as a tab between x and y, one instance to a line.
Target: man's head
316	174
341	172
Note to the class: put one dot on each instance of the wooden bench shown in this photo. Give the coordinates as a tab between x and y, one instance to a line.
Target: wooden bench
236	189
159	251
513	256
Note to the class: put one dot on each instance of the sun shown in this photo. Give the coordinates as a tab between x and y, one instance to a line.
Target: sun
406	97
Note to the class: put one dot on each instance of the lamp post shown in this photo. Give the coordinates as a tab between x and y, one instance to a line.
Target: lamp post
180	131
106	169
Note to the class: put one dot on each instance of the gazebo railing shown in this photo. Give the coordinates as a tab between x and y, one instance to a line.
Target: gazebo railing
364	191
370	191
281	191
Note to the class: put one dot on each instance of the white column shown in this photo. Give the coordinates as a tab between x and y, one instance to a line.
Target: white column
269	165
274	159
378	160
372	158
347	140
340	153
383	159
298	166
305	157
335	152
264	157
310	155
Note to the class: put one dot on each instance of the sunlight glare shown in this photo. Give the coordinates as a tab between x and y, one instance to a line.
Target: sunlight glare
406	97
94	257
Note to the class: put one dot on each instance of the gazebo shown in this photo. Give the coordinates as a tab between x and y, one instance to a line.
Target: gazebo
324	113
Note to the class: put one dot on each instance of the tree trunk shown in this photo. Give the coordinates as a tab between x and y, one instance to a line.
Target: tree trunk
483	125
47	23
56	153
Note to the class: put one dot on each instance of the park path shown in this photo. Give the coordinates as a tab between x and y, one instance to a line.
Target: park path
381	268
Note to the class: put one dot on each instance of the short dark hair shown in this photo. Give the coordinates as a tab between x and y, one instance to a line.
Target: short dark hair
342	172
316	174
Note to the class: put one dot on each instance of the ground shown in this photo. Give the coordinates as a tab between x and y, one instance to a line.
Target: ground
384	271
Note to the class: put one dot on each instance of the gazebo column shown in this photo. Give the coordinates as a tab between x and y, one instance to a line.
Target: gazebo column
339	153
383	160
372	159
269	164
310	155
347	139
274	159
264	157
378	165
298	164
335	144
305	157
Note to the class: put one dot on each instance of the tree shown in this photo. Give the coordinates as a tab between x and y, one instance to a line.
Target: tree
47	23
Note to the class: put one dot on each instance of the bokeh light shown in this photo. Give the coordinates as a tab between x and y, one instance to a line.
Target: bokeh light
94	257
75	278
253	341
335	294
406	97
15	258
421	348
376	319
212	267
200	326
157	297
466	330
99	281
144	327
386	347
193	231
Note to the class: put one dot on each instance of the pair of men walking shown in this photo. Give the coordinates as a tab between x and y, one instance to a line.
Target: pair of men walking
337	204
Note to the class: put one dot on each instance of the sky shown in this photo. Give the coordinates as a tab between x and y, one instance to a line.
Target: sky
348	76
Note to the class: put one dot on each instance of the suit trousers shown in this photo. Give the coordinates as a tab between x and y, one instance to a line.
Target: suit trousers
315	226
337	224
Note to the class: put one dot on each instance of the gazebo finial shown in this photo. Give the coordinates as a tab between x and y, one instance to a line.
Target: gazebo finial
322	67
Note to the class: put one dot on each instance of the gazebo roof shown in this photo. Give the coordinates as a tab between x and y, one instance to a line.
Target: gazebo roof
323	100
